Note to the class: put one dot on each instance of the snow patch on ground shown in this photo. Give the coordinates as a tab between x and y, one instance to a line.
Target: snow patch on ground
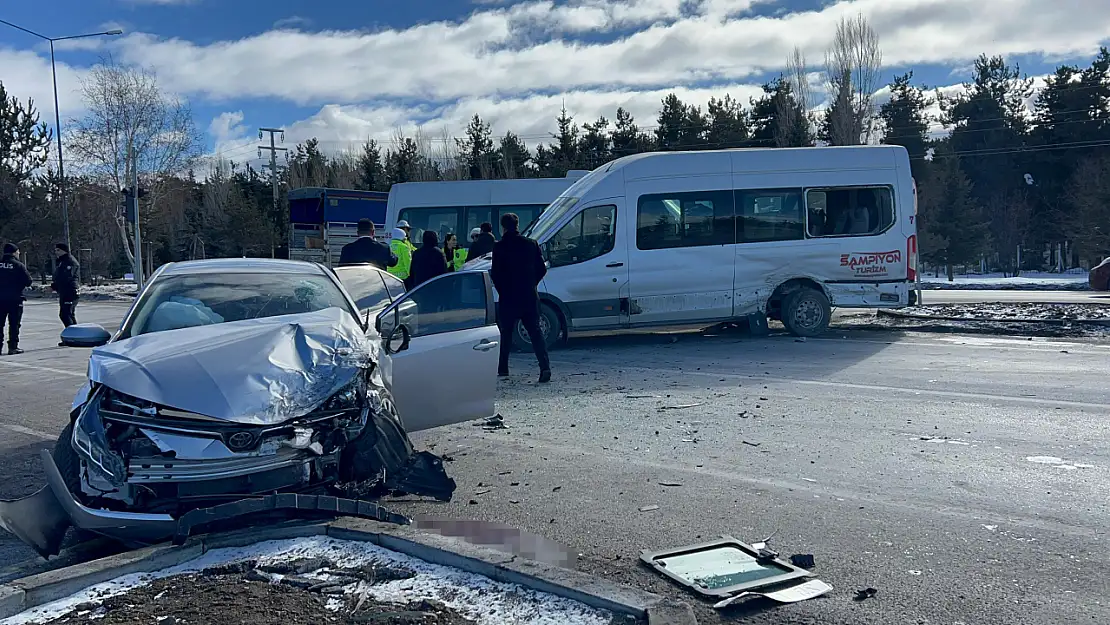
1006	311
1073	280
476	597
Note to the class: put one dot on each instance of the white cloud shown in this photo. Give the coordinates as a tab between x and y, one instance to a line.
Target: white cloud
27	75
516	64
496	50
292	22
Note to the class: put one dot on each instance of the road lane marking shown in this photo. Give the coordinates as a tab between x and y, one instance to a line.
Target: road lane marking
19	429
23	365
1036	401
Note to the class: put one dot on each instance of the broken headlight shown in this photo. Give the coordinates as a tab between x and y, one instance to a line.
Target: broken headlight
353	397
91	442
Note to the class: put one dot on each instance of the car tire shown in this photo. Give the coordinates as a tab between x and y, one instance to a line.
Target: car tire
551	324
806	312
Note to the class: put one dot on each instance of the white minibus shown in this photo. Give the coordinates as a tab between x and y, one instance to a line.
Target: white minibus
678	238
460	206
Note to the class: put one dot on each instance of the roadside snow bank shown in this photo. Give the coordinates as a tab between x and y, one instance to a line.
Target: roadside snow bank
1075	280
1012	311
479	598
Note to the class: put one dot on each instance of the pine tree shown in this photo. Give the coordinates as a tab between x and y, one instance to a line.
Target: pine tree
727	124
951	225
514	157
777	120
840	124
564	152
477	150
596	148
401	164
371	172
906	120
24	148
627	138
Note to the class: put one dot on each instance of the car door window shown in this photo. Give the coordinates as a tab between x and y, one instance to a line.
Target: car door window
394	285
456	301
588	235
365	285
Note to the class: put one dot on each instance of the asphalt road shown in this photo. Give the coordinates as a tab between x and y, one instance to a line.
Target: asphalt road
965	478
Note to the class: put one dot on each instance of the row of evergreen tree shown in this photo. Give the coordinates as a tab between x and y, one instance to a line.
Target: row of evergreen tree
997	169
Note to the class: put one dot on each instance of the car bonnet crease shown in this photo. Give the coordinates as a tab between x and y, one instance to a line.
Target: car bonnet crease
254	372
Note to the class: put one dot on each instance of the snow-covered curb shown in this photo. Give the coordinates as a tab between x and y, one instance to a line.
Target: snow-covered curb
36	589
1071	281
476	597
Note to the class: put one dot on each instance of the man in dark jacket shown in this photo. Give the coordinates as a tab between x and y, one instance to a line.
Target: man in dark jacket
518	267
365	250
14	277
428	261
484	243
65	285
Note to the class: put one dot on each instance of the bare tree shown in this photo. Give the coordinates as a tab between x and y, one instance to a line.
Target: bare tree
128	114
798	74
852	68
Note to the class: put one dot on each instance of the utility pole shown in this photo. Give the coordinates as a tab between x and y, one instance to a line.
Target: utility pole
273	149
131	197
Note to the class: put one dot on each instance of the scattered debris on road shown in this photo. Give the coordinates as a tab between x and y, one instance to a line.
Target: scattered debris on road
809	590
751	443
496	422
670	483
865	594
650	508
723	568
681	406
802	560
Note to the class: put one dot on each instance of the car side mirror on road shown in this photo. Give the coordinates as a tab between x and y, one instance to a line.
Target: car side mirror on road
85	335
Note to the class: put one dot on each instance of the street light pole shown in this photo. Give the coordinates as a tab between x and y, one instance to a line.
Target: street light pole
61	161
57	112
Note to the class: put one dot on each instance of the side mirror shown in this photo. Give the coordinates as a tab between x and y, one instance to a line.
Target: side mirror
398	340
85	335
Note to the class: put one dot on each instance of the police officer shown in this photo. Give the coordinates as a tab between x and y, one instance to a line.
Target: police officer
65	285
365	250
399	245
404	225
517	269
14	277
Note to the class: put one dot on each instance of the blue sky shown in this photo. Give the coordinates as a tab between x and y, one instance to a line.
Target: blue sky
345	70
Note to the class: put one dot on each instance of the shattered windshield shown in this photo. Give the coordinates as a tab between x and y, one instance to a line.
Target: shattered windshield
176	302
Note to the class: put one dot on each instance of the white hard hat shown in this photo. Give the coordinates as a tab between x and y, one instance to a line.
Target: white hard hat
399	234
475	232
403	224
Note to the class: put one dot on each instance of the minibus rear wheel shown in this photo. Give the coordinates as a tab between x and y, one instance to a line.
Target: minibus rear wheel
551	324
806	312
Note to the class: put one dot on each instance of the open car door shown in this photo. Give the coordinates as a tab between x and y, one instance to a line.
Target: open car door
442	337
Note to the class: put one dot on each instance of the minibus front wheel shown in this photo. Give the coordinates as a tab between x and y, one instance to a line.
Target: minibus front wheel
806	312
551	324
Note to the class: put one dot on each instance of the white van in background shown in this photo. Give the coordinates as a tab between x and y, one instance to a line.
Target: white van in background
462	205
674	238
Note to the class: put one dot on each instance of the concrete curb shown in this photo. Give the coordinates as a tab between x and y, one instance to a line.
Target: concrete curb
914	317
36	590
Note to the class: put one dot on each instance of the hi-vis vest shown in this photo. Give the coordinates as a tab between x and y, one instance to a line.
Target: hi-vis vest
403	251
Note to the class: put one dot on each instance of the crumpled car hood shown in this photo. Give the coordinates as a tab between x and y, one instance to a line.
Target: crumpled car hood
255	372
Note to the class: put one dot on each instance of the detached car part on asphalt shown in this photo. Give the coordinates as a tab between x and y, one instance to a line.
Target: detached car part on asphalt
181	423
722	568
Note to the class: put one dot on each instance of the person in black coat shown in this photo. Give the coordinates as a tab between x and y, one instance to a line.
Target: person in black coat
518	267
14	277
366	250
65	285
428	261
484	243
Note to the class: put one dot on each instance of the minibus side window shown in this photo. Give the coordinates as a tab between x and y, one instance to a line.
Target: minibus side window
769	215
849	211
